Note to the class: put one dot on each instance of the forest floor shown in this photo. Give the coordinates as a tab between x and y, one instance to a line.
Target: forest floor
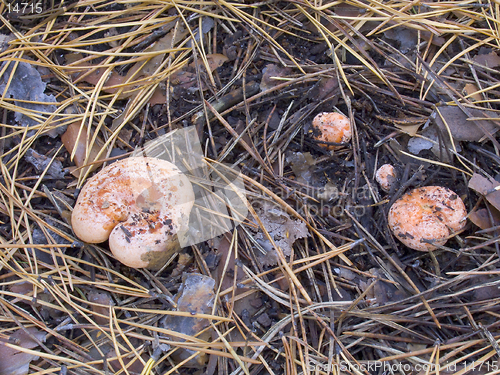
310	280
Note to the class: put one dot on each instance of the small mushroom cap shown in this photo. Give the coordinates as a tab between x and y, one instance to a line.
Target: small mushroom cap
331	127
142	204
386	176
431	213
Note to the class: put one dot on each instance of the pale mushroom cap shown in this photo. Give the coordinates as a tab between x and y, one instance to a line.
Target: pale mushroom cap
386	176
331	127
432	213
142	205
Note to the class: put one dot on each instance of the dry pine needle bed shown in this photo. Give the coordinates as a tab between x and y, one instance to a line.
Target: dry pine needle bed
282	258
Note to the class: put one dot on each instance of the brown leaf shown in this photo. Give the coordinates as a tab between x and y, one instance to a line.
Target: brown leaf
226	279
463	129
491	60
14	361
215	60
406	37
271	72
185	80
141	70
485	186
327	86
158	97
383	292
103	299
409	129
482	218
343	10
70	139
485	292
471	89
113	79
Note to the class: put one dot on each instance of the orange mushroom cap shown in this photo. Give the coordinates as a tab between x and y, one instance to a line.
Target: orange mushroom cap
431	213
331	127
142	204
386	176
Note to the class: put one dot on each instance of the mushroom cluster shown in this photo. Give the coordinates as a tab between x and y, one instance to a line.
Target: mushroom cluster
331	127
141	205
427	216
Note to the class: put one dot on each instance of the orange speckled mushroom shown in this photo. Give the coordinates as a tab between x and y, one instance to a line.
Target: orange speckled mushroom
430	213
386	176
331	127
142	204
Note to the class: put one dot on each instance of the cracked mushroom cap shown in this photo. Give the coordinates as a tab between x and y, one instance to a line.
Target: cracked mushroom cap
141	204
331	127
431	213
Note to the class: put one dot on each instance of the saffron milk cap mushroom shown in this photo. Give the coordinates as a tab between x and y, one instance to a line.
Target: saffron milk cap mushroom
426	216
386	176
141	204
331	127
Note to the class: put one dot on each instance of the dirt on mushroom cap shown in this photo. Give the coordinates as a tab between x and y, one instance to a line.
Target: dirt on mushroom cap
331	127
141	204
386	176
430	213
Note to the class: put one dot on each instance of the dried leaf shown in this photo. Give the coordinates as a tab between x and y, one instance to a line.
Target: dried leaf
215	60
24	287
226	279
113	79
485	186
70	139
158	97
327	86
382	292
409	125
482	218
26	87
432	37
491	60
343	10
185	80
471	89
140	69
409	129
100	298
417	144
270	74
283	230
195	296
406	37
41	162
72	58
486	292
460	127
14	361
301	164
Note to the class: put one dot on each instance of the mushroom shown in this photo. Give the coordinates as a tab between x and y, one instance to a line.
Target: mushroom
331	127
386	176
426	216
141	204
